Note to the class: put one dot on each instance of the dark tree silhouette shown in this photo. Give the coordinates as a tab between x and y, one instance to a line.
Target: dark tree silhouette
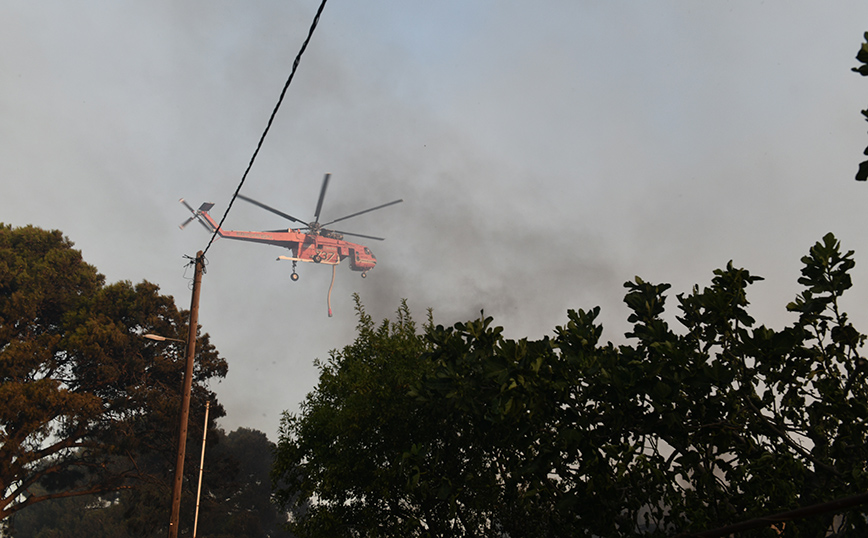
459	431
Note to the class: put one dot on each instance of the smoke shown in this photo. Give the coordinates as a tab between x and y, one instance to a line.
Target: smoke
546	153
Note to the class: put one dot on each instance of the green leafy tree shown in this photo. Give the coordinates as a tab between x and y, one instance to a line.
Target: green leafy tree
83	398
459	431
352	434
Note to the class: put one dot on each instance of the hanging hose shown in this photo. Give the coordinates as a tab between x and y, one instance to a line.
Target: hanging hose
334	267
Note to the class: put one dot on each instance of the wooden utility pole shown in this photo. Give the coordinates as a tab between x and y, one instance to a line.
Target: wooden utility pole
185	400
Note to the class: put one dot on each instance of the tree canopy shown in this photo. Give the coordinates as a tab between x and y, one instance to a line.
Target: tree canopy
459	431
235	503
82	395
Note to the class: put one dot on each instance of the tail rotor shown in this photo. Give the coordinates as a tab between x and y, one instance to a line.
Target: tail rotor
197	215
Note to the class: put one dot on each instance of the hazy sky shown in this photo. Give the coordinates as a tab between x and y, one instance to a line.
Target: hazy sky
546	153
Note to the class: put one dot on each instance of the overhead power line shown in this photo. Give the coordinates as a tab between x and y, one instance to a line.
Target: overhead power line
270	121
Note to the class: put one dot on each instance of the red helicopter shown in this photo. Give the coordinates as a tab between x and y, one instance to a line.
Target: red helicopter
312	242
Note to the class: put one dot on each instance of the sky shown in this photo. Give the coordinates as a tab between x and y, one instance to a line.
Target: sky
546	153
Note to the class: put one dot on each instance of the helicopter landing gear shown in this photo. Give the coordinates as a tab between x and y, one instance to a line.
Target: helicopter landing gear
365	274
294	275
317	258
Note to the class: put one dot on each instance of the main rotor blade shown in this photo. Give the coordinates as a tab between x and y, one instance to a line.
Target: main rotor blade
325	184
359	235
363	212
269	208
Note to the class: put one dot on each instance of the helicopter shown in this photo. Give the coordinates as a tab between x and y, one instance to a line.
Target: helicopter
312	242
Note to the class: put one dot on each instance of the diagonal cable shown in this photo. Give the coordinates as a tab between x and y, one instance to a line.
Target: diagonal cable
270	121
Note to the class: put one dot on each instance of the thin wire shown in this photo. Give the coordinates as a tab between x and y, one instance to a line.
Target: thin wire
270	121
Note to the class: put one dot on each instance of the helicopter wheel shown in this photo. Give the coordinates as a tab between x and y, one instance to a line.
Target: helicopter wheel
317	258
293	277
365	274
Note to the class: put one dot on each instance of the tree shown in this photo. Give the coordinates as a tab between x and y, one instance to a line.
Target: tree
236	500
862	57
459	431
351	436
84	400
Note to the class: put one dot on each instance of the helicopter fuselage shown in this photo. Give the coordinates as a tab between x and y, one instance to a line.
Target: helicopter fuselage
305	247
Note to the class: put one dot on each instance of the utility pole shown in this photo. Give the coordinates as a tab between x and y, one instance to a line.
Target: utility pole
185	400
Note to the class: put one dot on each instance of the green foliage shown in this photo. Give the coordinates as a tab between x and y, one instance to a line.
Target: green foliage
236	500
460	431
351	426
237	497
82	395
68	517
862	57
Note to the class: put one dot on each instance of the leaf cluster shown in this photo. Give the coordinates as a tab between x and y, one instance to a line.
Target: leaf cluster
862	58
